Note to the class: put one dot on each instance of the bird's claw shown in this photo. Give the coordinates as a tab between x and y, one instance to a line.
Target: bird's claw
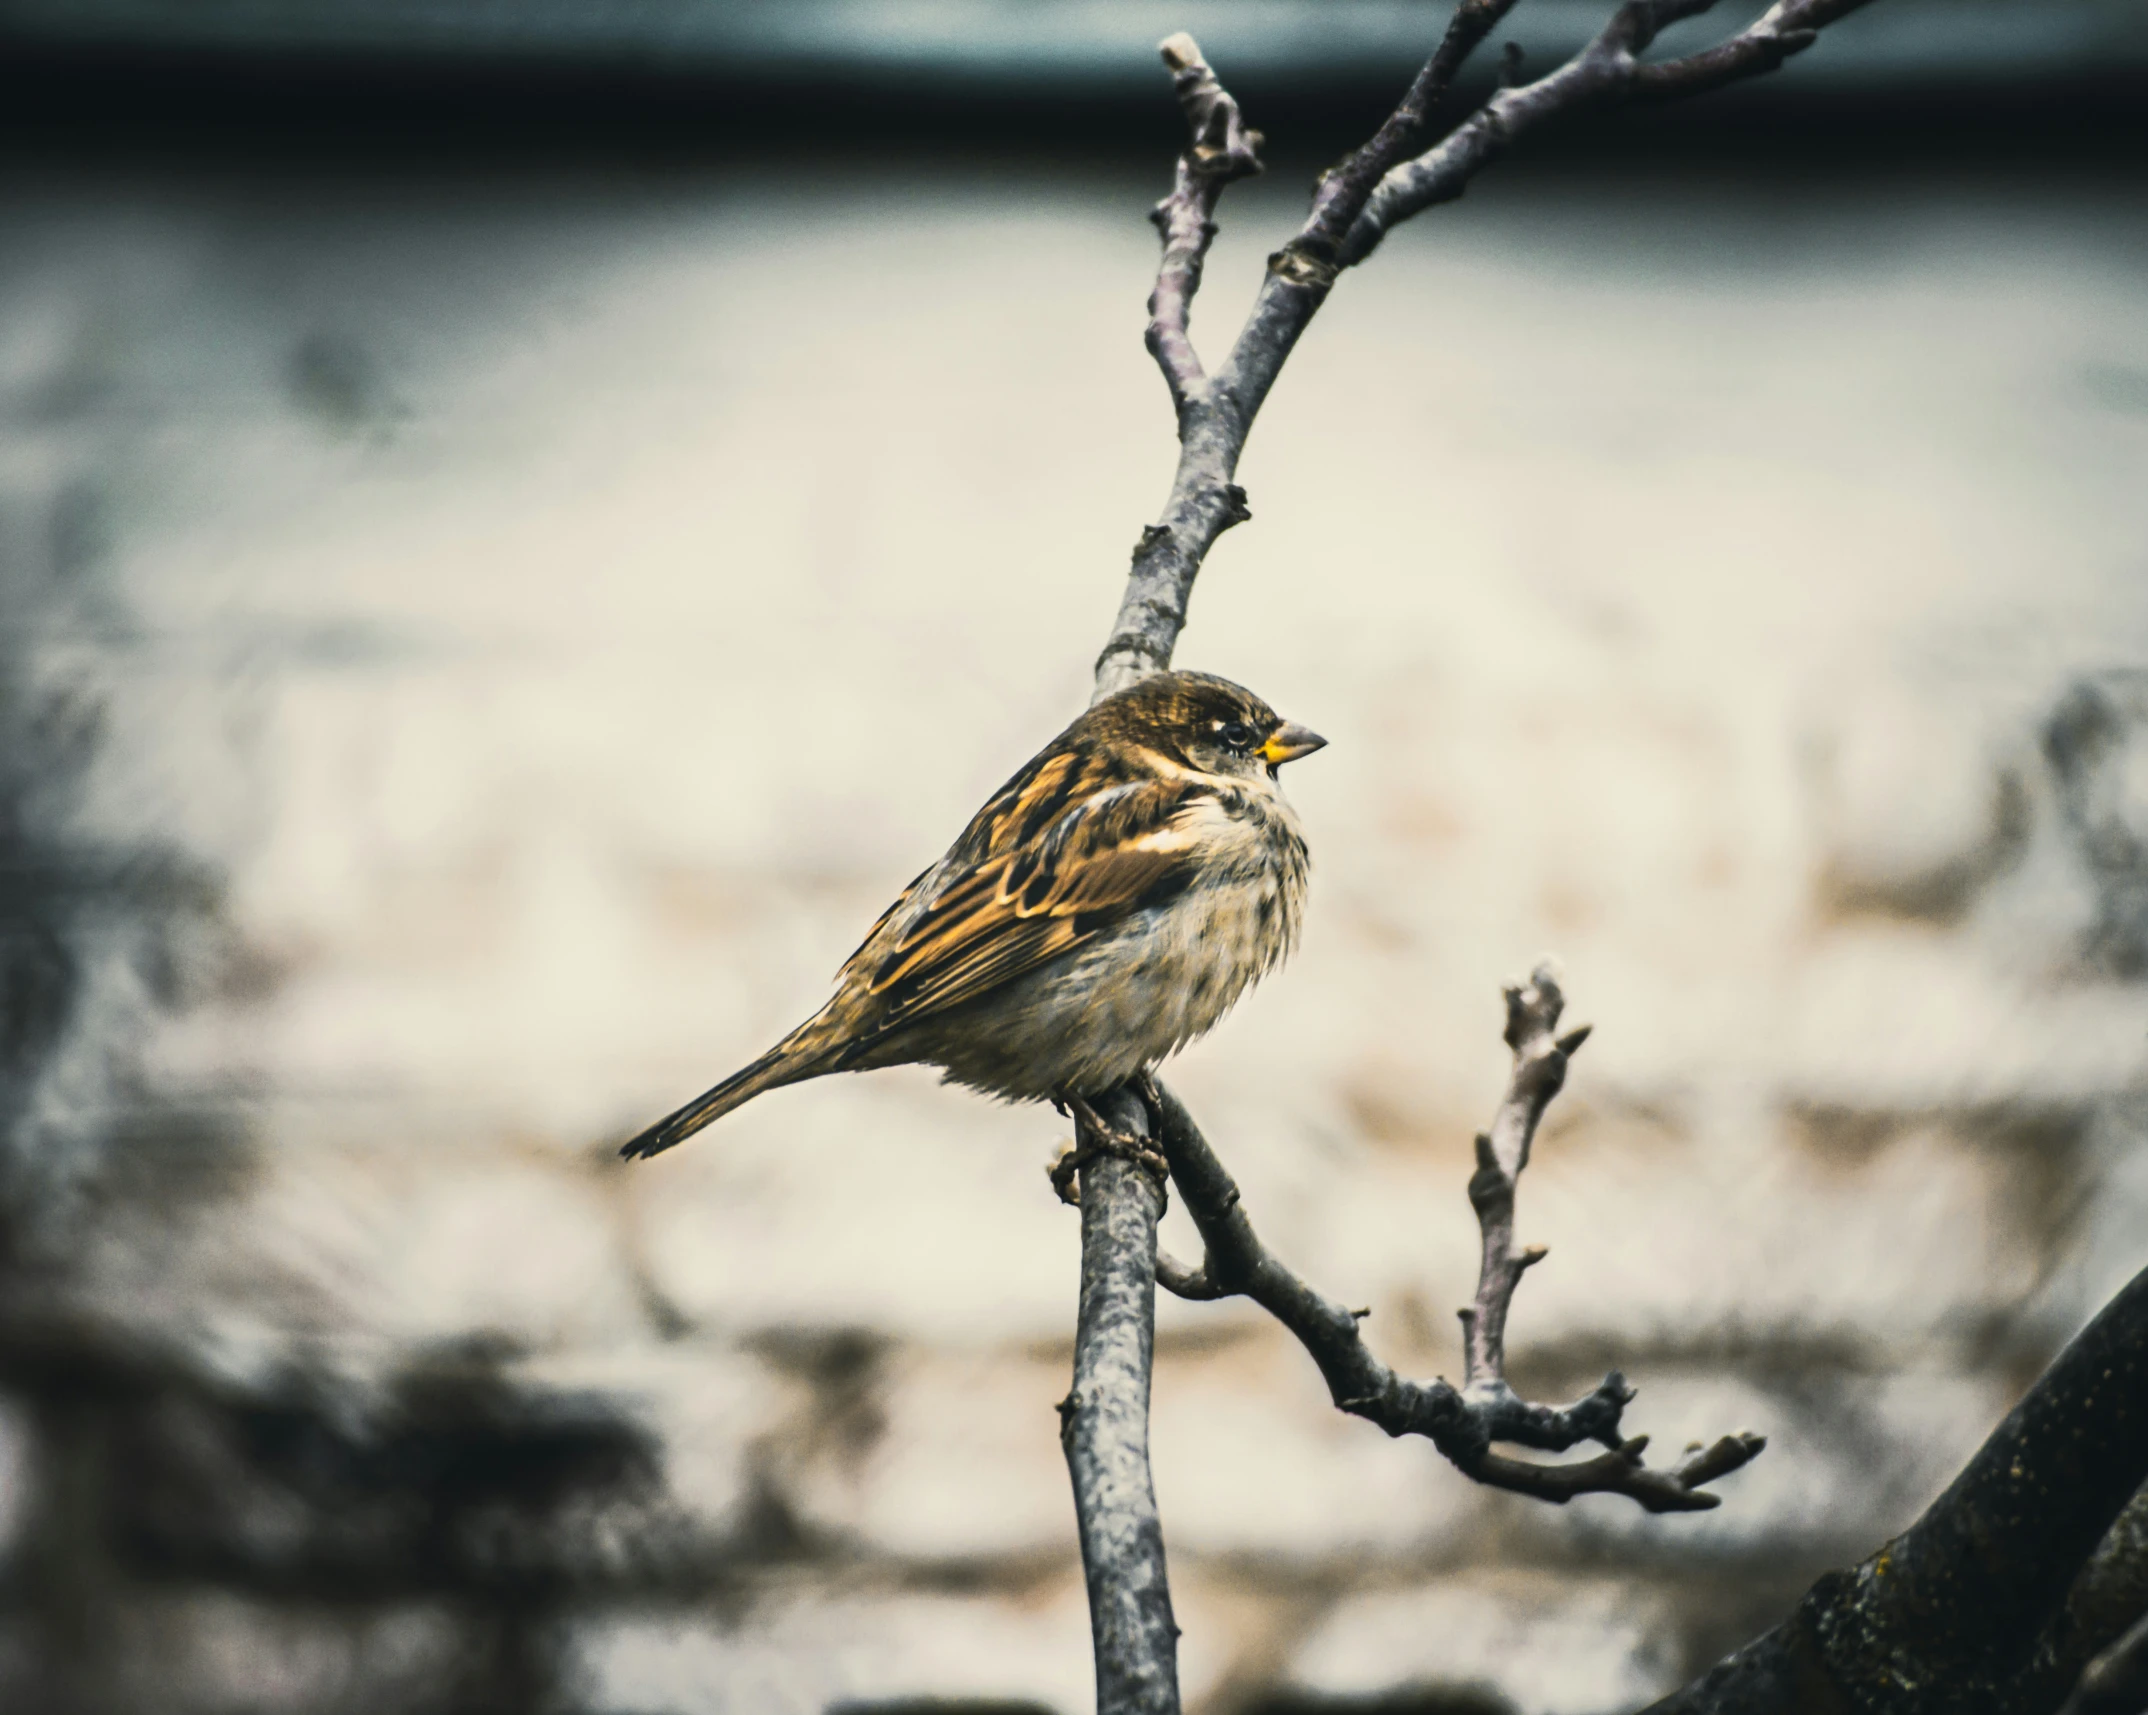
1065	1165
1097	1136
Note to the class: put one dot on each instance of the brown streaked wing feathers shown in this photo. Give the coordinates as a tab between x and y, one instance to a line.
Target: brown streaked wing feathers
1016	910
881	922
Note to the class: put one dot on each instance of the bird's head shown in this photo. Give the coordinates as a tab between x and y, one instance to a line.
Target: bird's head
1205	723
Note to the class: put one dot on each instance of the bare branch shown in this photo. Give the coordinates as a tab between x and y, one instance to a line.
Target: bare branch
2105	1600
1965	1598
1786	28
1104	1421
1357	201
1219	149
1341	193
2116	1682
1540	1059
1129	1599
1463	1424
1183	1282
1215	415
1608	69
1096	1135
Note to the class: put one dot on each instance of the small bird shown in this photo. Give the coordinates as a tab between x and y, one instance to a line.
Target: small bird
1105	907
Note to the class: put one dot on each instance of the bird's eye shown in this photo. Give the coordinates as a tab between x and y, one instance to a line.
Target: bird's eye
1237	735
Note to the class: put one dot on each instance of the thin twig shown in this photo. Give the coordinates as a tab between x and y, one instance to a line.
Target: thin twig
1183	1282
1215	414
1608	69
1357	202
1341	193
1219	149
1786	28
1462	1423
1540	1060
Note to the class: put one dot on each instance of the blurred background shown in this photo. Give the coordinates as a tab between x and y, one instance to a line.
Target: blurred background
522	526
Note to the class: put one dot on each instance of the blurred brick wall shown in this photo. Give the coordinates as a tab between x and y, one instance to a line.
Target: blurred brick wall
480	651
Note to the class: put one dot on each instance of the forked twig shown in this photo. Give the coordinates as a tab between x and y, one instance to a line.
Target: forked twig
1608	69
1219	149
1356	202
1465	1423
1360	199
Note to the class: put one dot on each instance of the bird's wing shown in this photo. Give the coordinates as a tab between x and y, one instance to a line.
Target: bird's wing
881	922
1111	854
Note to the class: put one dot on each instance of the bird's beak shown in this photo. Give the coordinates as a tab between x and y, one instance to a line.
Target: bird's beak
1289	742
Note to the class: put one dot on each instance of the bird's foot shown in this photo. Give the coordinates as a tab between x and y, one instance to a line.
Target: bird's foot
1095	1136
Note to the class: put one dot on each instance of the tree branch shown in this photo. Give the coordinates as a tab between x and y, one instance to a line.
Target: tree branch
1343	189
1219	149
1463	1424
1540	1061
1104	1421
1106	1413
2106	1599
1609	69
1355	204
1786	28
2116	1682
1965	1599
1215	414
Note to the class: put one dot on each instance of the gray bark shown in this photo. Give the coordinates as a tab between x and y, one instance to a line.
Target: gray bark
1107	1412
1104	1426
1462	1423
1966	1612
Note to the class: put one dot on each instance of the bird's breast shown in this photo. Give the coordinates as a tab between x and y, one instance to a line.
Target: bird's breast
1142	988
1242	917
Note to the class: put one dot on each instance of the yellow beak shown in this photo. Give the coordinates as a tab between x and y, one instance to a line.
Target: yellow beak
1289	742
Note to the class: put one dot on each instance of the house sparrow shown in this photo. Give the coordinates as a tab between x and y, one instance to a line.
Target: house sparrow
1105	907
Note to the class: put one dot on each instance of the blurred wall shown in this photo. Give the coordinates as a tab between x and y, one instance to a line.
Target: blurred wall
483	638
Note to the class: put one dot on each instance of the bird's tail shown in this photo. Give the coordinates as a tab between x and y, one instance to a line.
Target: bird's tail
788	1062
